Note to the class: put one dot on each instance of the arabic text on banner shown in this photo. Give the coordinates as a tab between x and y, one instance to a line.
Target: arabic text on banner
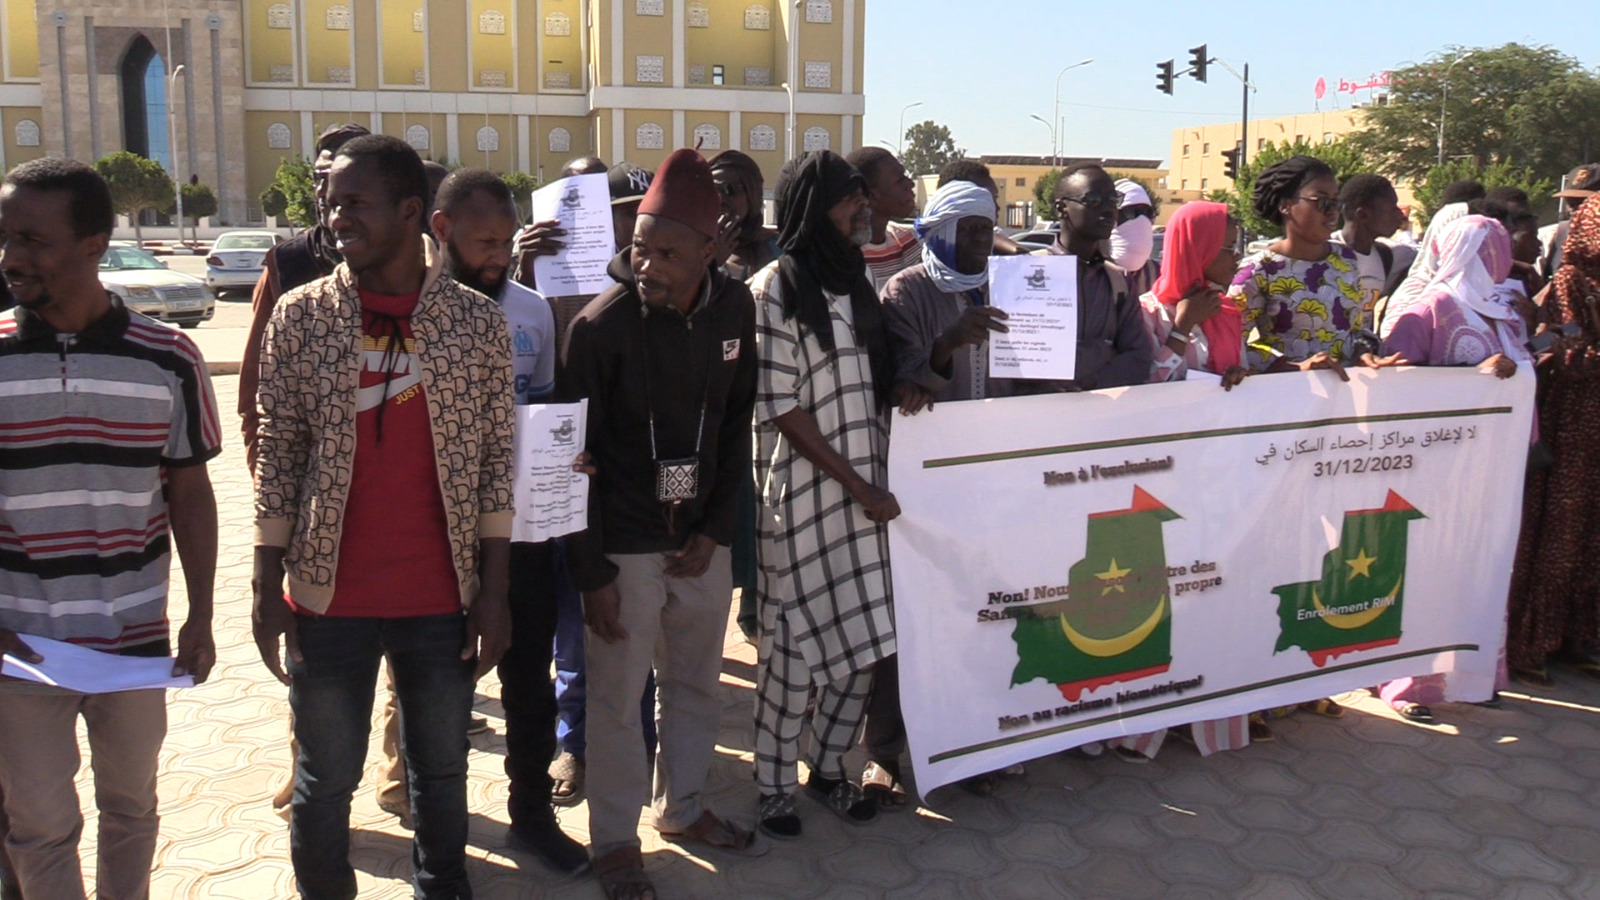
1076	567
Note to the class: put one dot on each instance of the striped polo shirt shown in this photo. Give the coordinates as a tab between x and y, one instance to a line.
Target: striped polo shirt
89	422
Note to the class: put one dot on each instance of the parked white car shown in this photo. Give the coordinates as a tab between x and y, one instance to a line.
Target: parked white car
236	259
147	286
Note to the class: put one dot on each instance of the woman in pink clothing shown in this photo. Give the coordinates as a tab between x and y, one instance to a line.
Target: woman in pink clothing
1194	327
1459	319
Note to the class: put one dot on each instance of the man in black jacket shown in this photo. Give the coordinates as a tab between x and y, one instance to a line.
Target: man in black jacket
667	361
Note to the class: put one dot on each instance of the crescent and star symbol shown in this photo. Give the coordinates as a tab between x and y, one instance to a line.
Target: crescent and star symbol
1361	564
1113	576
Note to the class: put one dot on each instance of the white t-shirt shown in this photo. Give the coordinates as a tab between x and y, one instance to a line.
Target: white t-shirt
533	341
1369	268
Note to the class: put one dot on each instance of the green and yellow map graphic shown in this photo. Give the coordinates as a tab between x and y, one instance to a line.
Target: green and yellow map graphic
1116	621
1358	602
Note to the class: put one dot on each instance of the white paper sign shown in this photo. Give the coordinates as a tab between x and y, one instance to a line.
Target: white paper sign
551	499
1039	294
1076	567
582	204
90	671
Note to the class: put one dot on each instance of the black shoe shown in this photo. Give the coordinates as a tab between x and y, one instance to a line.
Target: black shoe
544	838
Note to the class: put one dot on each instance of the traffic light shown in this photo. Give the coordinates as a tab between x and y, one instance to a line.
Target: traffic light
1198	60
1230	161
1164	77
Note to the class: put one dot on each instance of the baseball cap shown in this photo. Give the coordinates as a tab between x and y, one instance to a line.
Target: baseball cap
1582	182
628	183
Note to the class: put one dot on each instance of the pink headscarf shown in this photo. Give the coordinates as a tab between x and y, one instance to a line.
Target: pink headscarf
1194	238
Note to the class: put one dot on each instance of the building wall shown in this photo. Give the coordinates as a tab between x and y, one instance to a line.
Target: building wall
1197	164
530	69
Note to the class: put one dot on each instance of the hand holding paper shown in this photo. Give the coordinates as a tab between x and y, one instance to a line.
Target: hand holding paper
1039	295
89	671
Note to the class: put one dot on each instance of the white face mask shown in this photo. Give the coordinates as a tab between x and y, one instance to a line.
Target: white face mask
1132	243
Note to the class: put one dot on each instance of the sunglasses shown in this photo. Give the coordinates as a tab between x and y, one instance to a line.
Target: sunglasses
1098	201
1324	204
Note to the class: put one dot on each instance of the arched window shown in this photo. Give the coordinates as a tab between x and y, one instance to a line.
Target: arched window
417	137
817	139
488	140
558	24
338	18
707	137
278	136
560	140
280	15
757	18
819	12
27	133
144	102
649	136
763	137
699	15
491	21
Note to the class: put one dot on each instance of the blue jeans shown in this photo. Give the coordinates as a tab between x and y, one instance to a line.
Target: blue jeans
569	670
332	701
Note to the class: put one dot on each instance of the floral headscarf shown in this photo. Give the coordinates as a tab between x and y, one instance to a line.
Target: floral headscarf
1577	282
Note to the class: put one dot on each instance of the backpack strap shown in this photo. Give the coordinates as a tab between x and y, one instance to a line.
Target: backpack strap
1385	253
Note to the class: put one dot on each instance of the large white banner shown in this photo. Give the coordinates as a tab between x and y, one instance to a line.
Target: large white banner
1076	567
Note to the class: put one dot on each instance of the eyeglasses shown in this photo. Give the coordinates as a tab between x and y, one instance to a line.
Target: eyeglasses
1099	201
1129	213
1324	204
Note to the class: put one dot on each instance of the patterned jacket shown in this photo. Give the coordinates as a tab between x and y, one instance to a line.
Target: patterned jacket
310	369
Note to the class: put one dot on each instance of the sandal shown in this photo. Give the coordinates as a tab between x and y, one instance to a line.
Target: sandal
1324	707
622	877
843	798
776	818
882	786
1415	712
1260	731
718	834
567	773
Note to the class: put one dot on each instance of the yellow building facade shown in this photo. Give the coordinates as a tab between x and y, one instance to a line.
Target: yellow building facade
520	85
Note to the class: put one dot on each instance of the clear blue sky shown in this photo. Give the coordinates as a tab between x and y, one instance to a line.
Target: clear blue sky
982	68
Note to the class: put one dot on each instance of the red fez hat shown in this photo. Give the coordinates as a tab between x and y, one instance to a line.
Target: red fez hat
684	191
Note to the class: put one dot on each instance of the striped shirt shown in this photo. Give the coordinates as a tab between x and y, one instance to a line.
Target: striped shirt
88	424
900	250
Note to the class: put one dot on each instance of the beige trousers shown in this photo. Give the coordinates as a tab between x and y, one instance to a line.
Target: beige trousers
678	625
38	763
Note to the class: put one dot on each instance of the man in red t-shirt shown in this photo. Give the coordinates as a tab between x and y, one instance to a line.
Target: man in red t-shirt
383	493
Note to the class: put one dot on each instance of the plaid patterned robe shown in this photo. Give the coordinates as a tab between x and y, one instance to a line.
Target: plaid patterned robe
822	561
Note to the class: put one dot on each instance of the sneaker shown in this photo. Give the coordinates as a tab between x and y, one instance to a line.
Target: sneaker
478	725
544	838
568	774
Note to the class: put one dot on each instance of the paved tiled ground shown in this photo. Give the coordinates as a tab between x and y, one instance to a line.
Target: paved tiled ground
1495	803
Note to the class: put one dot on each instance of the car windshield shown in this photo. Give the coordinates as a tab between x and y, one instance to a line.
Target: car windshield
243	242
119	258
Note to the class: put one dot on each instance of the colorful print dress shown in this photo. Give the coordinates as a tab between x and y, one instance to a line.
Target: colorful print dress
1297	308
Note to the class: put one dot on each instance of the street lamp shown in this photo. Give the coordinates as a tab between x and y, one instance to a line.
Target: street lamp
1041	121
908	107
1444	100
172	143
1055	152
794	70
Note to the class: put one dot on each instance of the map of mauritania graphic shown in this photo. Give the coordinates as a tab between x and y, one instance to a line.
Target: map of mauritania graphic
1116	622
1357	604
